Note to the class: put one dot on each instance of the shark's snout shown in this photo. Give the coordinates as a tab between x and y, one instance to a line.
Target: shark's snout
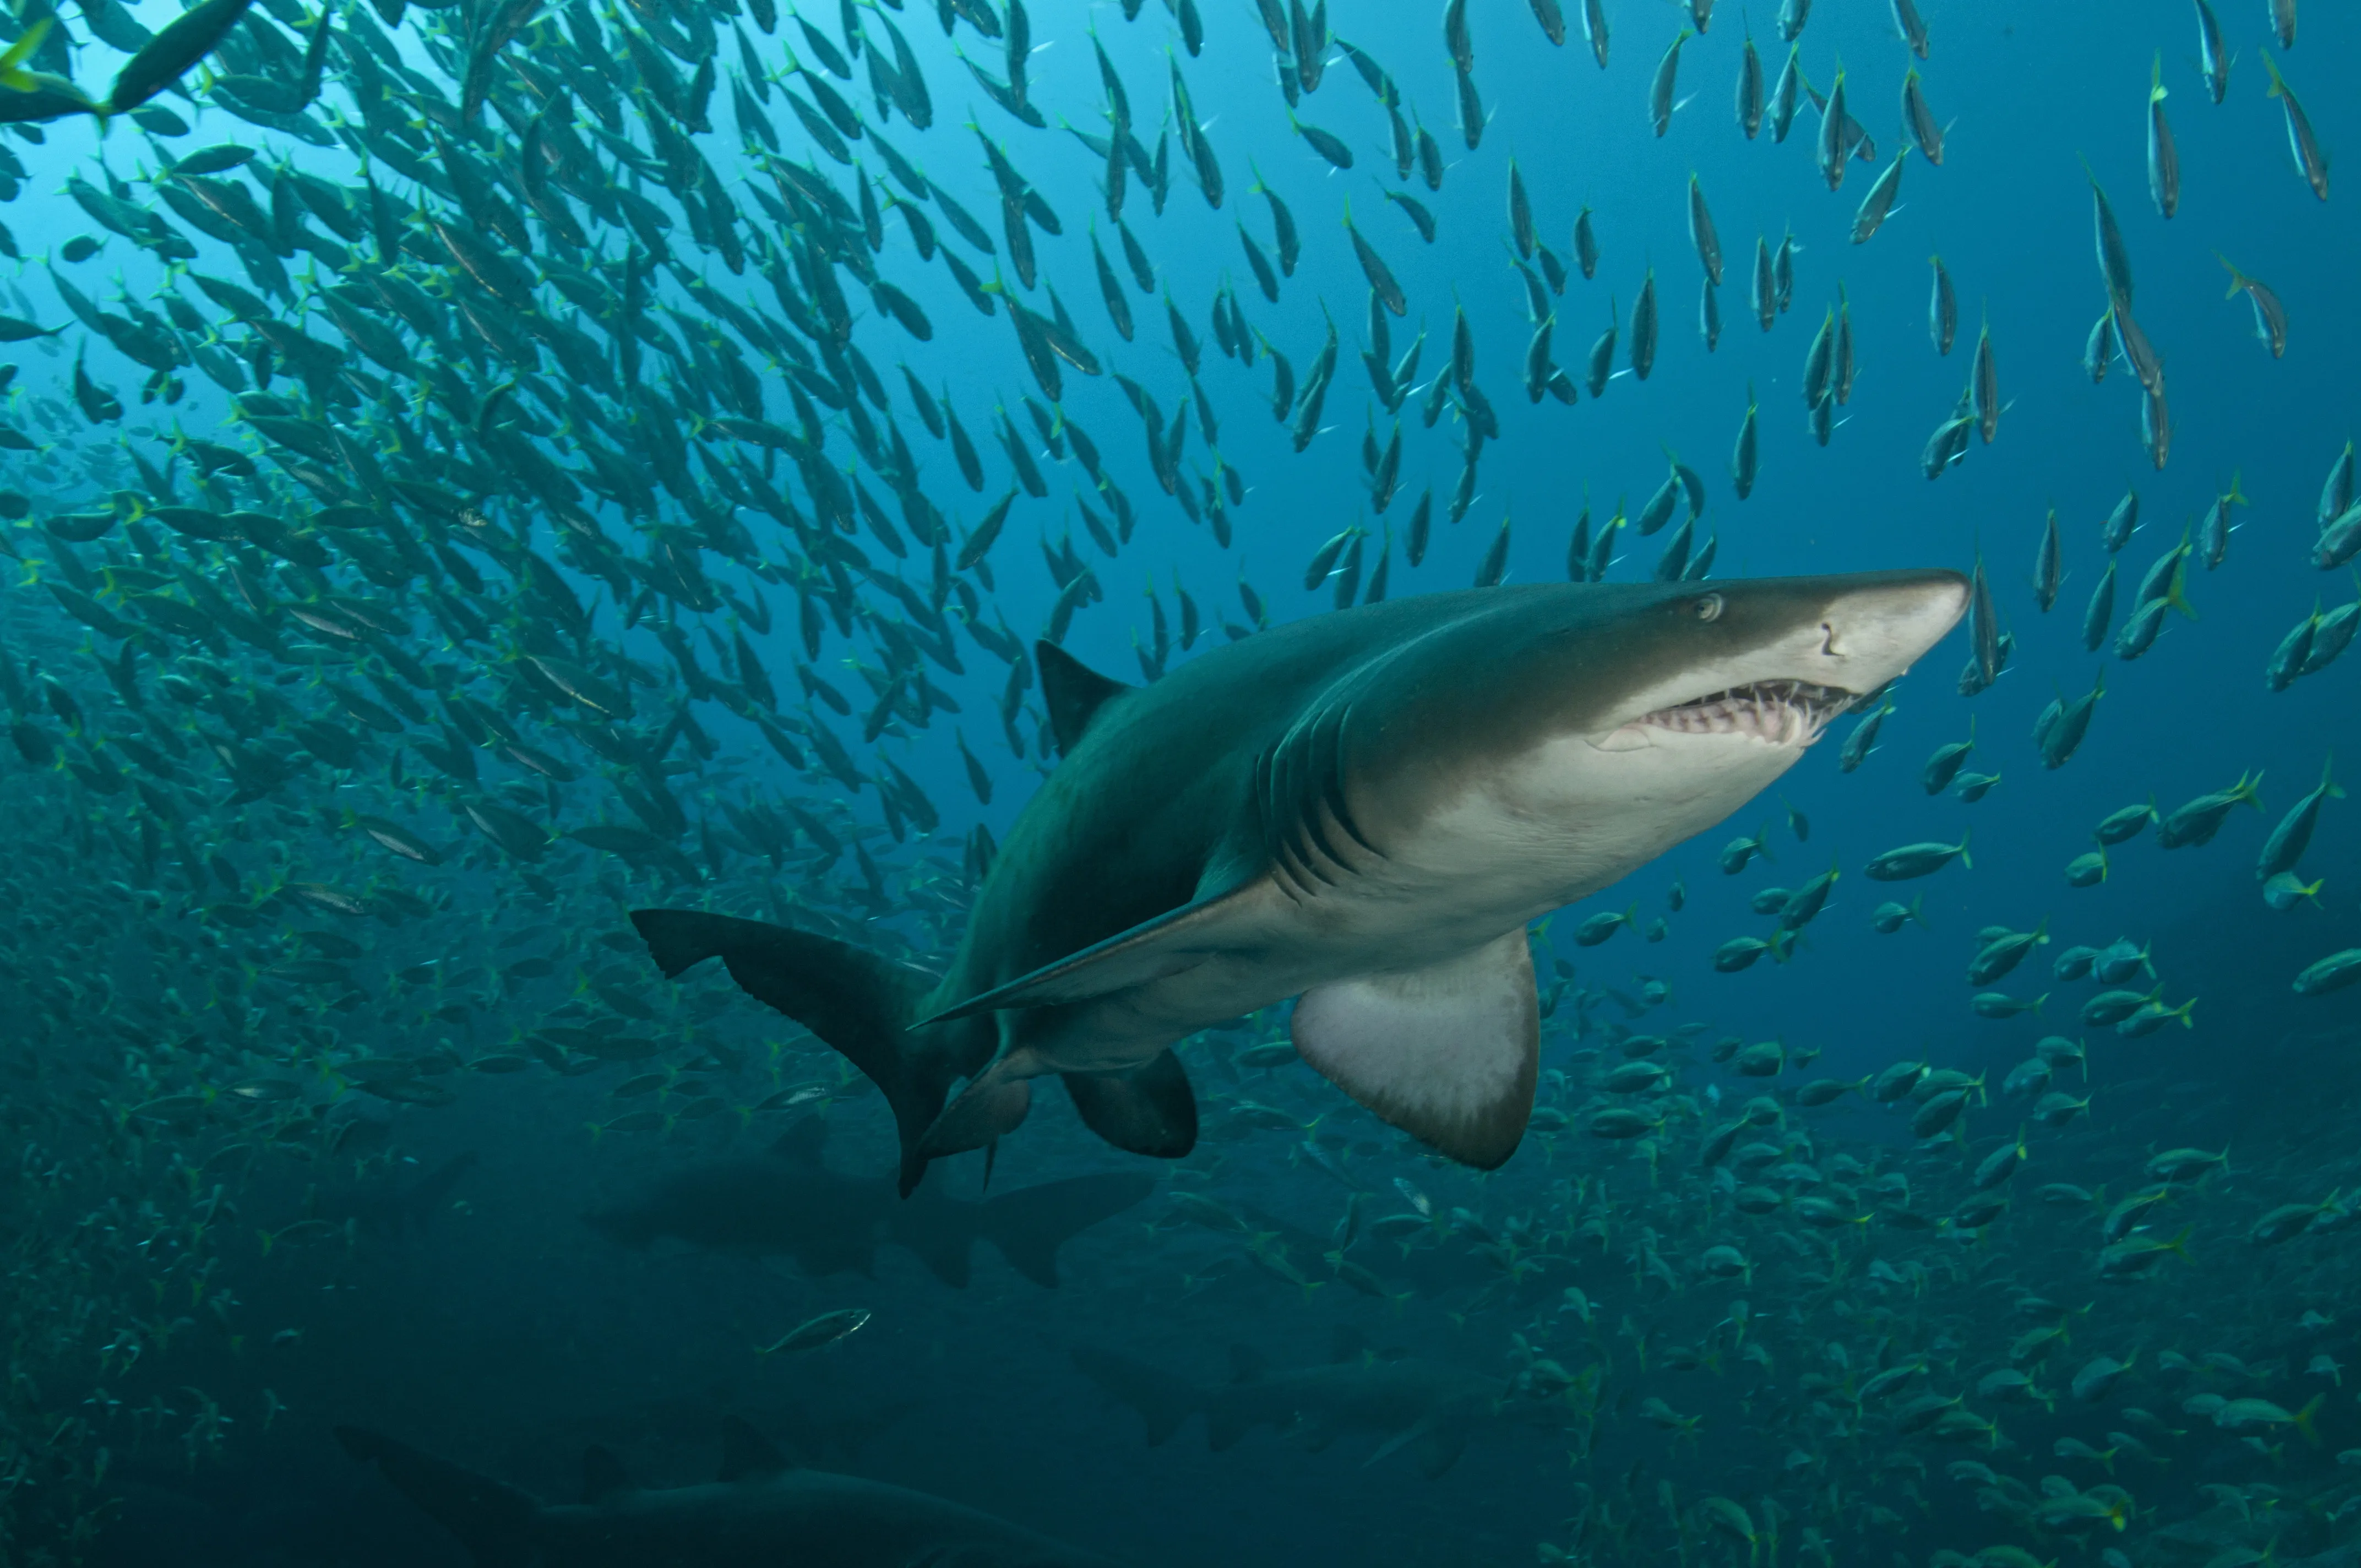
1871	634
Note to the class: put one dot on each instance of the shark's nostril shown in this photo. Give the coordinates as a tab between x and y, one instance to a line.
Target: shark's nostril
1828	639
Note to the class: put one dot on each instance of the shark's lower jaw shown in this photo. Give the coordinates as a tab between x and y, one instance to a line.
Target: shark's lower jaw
1783	713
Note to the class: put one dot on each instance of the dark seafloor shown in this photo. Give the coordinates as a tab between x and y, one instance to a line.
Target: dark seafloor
435	535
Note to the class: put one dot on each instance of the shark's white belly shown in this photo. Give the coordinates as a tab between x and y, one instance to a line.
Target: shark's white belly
1560	824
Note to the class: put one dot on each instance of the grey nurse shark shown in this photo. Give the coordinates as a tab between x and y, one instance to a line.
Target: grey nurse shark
1427	1407
788	1201
1362	810
761	1512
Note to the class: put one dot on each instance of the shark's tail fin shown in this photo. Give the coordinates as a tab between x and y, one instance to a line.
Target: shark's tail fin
494	1522
1162	1400
858	1003
1029	1225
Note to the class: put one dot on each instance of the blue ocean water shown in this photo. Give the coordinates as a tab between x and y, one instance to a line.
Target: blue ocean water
208	1291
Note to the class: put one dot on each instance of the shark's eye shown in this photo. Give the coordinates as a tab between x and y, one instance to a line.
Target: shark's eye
1708	608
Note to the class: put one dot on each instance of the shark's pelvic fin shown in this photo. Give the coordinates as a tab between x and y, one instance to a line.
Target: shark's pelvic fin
1146	1110
858	1003
1448	1053
1167	944
1073	692
994	1104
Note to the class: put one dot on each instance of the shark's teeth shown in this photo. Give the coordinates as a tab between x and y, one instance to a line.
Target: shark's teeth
1781	712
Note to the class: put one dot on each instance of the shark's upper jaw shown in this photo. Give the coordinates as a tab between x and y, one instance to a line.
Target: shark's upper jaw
1778	712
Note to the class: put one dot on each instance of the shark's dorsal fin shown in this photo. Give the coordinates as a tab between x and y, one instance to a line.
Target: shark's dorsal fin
747	1454
1448	1053
602	1475
803	1142
1074	693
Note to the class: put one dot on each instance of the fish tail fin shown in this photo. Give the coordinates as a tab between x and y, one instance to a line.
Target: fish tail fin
494	1520
858	1003
1030	1224
2278	83
2176	594
2303	1420
1918	912
1963	851
2237	279
23	49
1163	1401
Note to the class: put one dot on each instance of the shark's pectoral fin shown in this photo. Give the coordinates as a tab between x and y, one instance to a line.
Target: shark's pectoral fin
1448	1053
1412	1434
1172	942
1147	1109
495	1521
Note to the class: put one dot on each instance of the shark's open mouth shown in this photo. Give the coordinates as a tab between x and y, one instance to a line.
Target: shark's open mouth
1786	712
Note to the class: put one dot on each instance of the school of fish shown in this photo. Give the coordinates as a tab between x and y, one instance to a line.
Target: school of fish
499	483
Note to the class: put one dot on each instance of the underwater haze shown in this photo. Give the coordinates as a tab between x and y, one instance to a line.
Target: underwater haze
559	552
